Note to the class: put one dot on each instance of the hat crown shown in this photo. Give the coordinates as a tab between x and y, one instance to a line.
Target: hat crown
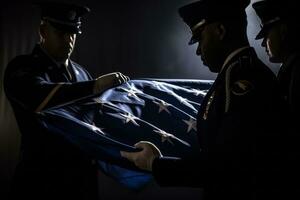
270	9
63	15
212	9
271	12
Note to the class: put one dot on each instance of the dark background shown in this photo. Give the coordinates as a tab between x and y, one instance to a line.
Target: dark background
141	38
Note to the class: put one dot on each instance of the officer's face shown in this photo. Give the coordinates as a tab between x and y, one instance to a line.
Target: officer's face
59	44
272	43
209	46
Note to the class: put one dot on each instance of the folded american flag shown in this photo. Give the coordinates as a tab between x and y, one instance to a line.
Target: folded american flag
162	111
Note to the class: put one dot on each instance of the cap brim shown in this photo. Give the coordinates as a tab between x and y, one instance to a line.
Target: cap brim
264	30
192	40
261	34
66	28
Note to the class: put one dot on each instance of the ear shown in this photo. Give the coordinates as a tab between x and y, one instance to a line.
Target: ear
221	30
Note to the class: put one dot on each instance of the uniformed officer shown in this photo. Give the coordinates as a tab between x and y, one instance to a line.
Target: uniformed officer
280	32
50	167
235	121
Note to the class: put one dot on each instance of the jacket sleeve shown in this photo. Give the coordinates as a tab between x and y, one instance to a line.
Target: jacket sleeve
30	89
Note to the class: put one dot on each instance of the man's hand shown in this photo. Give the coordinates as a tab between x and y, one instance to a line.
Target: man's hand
144	158
110	80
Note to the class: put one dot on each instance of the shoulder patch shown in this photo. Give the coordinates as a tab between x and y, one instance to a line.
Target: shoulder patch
241	87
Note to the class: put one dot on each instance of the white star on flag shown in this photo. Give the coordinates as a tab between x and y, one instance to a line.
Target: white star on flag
192	124
132	93
94	128
198	92
162	106
165	136
130	118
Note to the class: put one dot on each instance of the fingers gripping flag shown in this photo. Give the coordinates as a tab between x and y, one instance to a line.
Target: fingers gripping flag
160	111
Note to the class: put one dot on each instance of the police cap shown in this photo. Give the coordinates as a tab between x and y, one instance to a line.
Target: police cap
63	16
201	12
271	12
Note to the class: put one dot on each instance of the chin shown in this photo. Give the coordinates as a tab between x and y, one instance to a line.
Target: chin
213	68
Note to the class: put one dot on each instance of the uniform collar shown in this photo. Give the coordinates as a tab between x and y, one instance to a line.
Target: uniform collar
232	54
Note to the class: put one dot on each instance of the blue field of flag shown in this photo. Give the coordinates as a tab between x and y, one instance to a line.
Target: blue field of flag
160	111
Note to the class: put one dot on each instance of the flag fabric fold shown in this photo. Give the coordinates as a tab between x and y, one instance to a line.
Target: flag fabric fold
162	111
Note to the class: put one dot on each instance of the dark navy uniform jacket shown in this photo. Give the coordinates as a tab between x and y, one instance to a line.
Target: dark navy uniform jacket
289	81
237	129
50	167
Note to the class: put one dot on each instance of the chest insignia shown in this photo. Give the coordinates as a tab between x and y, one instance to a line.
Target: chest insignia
241	87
